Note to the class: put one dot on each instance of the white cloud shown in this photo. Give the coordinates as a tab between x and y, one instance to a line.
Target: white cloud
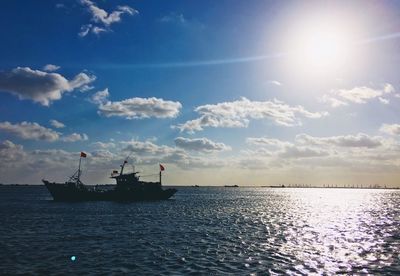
148	152
51	67
358	95
360	140
263	141
392	129
238	113
283	149
56	124
147	147
34	131
98	30
383	100
81	80
85	29
103	18
10	152
275	82
74	137
102	154
294	151
30	131
39	86
388	88
200	144
173	17
332	101
102	145
100	97
316	156
138	108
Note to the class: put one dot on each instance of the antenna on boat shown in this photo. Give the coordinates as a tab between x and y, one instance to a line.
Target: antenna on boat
125	162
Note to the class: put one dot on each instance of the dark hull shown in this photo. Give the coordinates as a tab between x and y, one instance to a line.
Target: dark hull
66	192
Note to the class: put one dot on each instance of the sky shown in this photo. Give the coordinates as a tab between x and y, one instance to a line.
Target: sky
219	92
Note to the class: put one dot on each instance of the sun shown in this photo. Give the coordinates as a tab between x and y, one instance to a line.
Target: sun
322	49
320	46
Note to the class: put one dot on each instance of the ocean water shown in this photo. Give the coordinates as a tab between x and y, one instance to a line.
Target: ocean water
214	231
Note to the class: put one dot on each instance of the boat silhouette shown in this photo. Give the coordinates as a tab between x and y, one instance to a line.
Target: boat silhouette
129	187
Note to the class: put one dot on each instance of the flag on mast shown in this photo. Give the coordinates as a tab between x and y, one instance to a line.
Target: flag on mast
162	168
83	154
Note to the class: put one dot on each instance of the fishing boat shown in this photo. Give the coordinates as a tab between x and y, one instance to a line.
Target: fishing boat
128	187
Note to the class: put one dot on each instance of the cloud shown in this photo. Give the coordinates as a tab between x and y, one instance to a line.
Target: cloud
275	82
74	137
56	124
293	151
360	140
263	141
103	18
34	131
173	17
238	114
30	131
383	100
358	152
81	80
200	144
148	152
333	101
39	86
103	154
51	67
10	152
283	149
85	29
100	97
136	108
392	129
145	148
358	95
102	145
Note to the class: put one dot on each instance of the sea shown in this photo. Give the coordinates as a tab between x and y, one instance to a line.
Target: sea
205	230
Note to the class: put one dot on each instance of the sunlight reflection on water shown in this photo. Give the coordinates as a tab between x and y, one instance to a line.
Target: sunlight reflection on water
338	230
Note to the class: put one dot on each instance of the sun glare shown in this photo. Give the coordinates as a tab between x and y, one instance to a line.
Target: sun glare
322	49
320	46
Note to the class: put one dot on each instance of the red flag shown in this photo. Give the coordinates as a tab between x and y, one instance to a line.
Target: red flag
162	168
83	154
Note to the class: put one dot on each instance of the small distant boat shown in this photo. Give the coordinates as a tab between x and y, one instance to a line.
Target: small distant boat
231	186
196	186
128	188
274	186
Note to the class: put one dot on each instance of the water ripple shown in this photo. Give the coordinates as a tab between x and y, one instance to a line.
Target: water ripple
204	231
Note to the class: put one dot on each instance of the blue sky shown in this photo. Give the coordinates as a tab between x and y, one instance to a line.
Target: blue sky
219	91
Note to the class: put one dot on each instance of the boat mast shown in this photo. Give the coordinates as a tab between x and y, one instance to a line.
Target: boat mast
161	169
79	169
122	167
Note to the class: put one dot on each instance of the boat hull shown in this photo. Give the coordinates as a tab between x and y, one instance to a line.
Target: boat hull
71	193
